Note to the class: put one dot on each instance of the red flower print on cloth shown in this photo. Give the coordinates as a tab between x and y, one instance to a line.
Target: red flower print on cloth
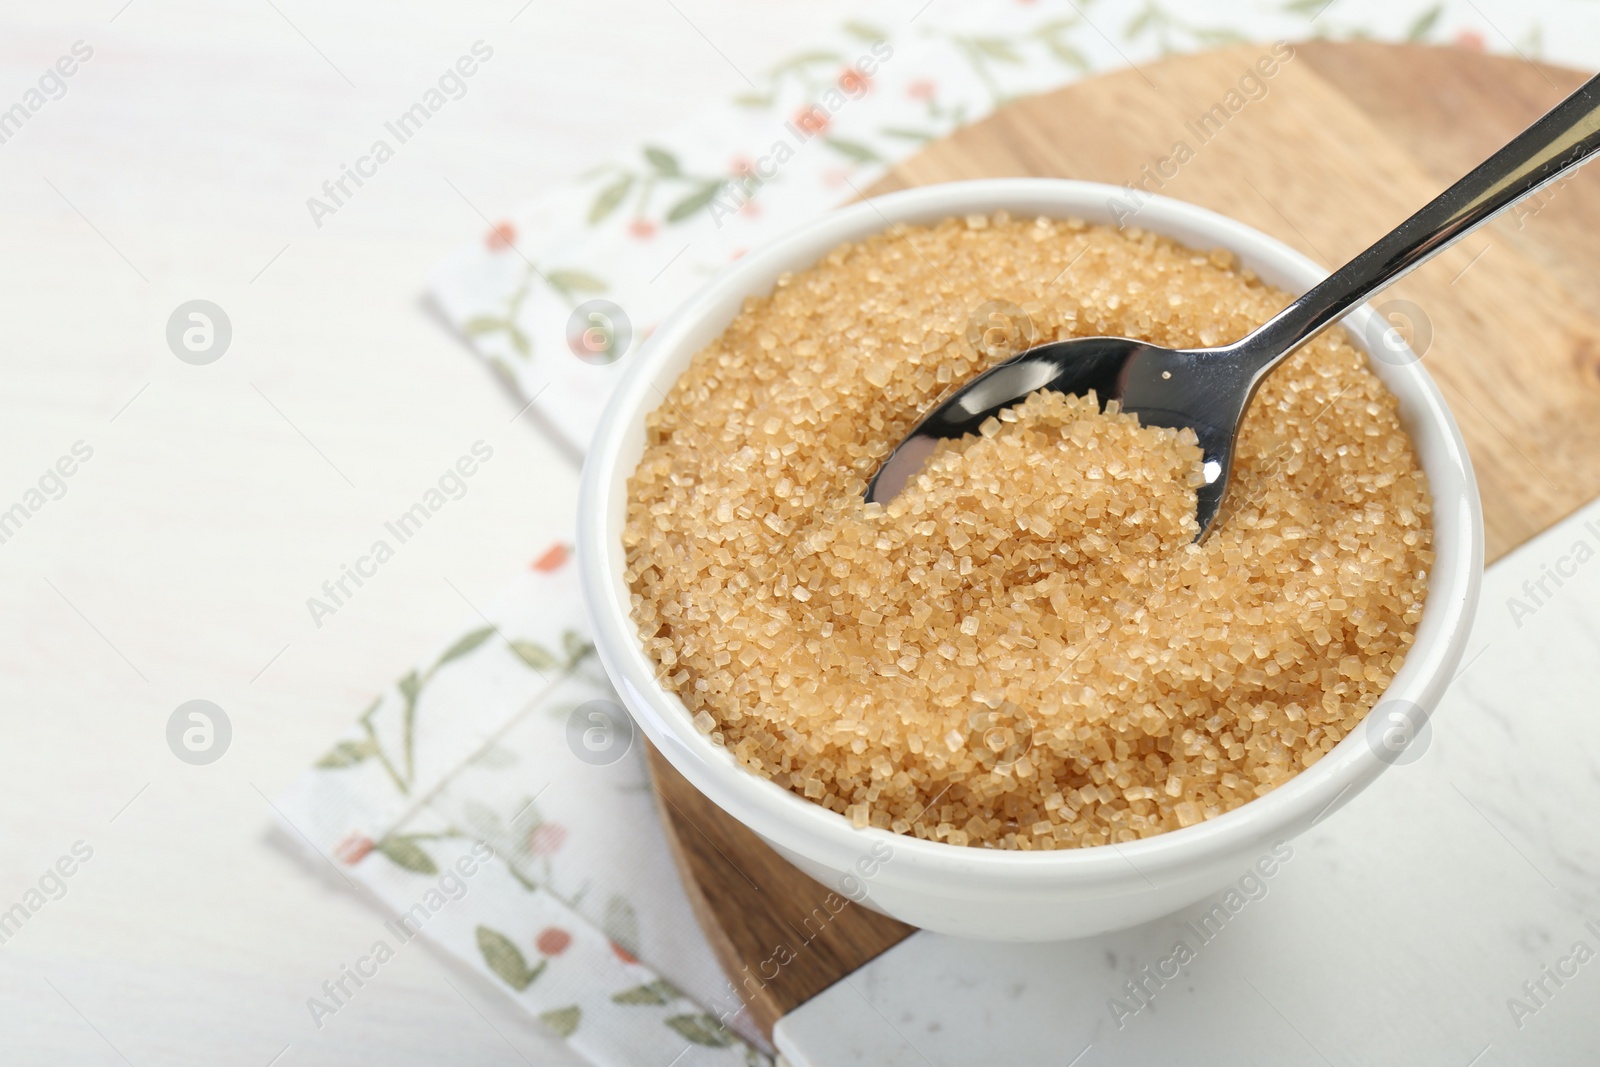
643	229
813	120
552	941
545	838
353	849
921	89
854	82
552	559
501	237
623	954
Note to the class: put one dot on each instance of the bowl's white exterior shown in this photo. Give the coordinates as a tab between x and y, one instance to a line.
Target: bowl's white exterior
987	893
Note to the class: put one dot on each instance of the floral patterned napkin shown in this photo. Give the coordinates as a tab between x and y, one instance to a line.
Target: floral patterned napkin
494	797
495	801
558	297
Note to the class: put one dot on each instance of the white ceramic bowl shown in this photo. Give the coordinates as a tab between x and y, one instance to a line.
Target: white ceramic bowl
988	893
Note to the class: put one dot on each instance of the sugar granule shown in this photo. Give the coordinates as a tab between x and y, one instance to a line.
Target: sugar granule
1027	638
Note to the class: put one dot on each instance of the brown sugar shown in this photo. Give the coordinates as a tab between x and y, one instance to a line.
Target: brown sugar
1026	648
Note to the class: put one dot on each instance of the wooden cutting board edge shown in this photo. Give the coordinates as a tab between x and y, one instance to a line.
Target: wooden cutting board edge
775	931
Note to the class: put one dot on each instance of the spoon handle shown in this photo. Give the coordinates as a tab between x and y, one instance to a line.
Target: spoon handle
1564	138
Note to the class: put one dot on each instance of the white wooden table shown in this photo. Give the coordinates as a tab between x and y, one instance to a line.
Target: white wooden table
218	498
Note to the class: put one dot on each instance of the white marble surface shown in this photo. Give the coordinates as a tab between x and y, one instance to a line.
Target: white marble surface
1398	931
178	563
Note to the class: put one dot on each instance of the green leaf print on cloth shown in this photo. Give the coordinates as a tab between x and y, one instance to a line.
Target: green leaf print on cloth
506	960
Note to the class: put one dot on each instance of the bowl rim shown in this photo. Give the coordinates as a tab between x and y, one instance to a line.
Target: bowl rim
809	829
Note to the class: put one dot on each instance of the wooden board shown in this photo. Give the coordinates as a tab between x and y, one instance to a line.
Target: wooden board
1348	140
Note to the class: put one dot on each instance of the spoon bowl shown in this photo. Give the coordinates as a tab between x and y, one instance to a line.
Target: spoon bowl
1205	390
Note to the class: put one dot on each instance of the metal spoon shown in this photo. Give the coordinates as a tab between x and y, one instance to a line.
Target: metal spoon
1209	389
